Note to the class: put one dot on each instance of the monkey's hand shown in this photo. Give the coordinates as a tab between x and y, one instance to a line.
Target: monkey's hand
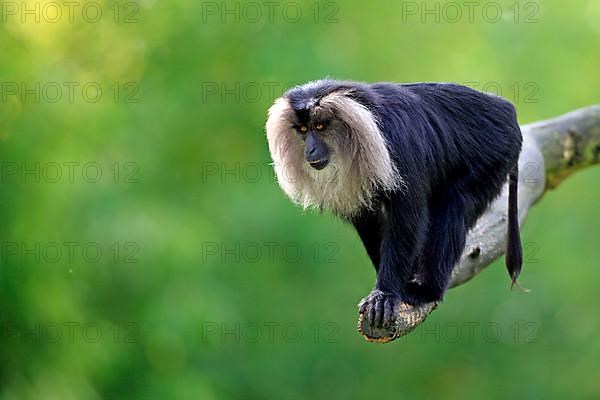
377	323
379	309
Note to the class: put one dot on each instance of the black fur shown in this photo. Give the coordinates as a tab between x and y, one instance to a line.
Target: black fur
454	147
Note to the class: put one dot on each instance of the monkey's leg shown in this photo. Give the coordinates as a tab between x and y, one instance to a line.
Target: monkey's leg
443	247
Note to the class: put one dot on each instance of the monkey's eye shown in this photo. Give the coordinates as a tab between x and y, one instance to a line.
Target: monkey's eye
303	128
319	127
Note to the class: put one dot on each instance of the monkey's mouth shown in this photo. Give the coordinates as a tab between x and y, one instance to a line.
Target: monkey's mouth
319	164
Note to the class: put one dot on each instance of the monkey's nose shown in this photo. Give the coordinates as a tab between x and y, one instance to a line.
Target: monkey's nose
312	153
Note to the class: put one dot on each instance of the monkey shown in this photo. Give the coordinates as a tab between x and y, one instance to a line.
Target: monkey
411	166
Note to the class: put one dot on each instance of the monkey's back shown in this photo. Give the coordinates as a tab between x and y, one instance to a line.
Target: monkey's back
442	133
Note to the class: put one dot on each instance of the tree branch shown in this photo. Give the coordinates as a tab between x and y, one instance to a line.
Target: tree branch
552	151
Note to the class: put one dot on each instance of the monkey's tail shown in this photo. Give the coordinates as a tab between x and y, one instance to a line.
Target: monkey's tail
514	252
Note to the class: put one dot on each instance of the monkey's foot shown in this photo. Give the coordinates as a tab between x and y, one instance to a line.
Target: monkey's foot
379	309
406	318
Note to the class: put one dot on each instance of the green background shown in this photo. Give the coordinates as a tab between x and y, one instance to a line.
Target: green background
189	321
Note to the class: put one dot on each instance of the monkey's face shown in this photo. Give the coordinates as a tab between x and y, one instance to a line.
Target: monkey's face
320	131
310	131
327	149
316	150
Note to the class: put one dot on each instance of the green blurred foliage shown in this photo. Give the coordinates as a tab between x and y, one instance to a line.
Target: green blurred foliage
183	322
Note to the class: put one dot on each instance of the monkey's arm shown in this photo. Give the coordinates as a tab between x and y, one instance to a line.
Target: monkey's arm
403	234
552	151
403	225
368	227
